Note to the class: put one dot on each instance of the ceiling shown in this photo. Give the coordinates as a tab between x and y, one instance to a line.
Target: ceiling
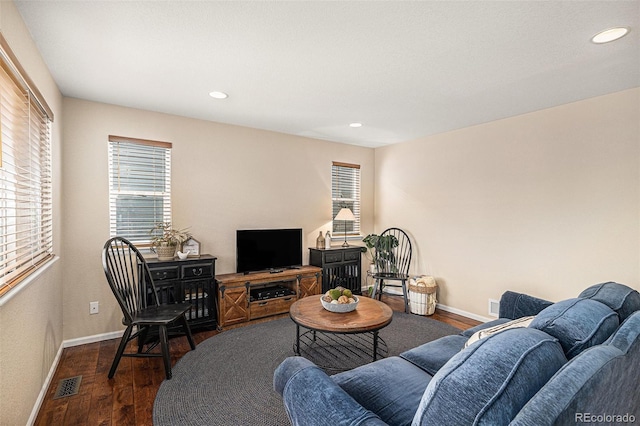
403	69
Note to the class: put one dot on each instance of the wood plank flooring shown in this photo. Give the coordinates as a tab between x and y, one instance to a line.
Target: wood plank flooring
127	399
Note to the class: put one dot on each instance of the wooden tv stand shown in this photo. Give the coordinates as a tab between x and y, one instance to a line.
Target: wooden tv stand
235	298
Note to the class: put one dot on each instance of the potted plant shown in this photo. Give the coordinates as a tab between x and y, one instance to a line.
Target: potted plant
384	244
166	243
369	249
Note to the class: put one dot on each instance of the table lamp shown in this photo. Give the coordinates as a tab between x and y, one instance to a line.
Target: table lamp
347	215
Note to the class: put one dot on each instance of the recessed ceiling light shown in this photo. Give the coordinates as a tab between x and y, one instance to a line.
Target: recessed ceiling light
218	95
610	35
355	125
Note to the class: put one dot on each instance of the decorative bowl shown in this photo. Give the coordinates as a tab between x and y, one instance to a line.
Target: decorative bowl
340	307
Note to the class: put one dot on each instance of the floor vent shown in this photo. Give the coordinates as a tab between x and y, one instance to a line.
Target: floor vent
68	387
494	308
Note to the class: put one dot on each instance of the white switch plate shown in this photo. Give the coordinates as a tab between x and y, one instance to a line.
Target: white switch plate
93	308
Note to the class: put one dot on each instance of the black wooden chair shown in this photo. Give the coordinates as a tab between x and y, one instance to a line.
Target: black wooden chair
392	261
130	280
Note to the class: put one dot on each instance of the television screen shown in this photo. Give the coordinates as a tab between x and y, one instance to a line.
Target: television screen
262	249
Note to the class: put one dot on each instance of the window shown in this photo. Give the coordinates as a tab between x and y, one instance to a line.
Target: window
26	223
139	187
345	192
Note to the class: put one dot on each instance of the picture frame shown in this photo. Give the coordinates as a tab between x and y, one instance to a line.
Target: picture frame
193	246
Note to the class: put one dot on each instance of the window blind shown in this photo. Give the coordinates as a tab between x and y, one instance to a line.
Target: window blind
345	192
26	221
139	187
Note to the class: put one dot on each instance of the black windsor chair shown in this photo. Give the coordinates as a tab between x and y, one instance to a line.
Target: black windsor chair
130	280
392	261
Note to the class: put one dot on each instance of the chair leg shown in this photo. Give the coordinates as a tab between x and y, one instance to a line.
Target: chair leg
406	299
166	357
375	289
120	351
142	337
187	330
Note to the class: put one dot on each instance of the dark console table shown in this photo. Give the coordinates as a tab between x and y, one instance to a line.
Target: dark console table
191	280
341	266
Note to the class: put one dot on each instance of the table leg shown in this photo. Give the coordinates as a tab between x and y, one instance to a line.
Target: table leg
375	345
297	347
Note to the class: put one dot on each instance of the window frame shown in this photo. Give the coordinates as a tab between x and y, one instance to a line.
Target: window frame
141	235
26	187
346	176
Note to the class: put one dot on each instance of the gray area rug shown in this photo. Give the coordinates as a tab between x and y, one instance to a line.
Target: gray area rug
228	378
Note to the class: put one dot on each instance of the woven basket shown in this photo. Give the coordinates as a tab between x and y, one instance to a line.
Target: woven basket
166	252
422	295
420	288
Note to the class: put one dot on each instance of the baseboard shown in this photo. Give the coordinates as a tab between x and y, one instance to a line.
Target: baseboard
56	360
463	313
45	387
92	339
398	292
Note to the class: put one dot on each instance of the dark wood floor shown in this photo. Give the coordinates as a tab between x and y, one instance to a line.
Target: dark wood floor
127	399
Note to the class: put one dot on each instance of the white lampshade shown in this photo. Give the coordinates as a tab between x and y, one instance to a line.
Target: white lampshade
345	214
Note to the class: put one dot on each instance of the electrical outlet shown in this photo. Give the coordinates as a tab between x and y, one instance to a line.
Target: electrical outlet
93	308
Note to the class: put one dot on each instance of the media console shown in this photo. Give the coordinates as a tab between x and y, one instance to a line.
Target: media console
245	297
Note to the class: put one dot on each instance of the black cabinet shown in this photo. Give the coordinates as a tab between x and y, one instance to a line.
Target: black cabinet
341	266
191	280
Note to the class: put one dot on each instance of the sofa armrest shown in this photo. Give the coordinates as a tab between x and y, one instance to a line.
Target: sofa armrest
311	398
517	305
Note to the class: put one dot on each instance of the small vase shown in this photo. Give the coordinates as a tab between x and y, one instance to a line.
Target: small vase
166	252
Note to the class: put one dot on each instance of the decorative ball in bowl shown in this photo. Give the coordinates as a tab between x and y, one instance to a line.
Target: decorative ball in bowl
339	300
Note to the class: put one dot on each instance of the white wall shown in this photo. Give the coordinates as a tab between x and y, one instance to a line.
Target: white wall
545	203
223	178
31	316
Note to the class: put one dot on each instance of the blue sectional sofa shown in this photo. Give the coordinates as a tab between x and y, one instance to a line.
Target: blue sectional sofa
578	361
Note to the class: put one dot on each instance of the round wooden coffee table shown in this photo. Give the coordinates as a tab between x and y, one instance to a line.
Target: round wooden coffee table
340	341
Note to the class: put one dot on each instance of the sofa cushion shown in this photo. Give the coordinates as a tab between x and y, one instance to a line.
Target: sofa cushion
577	323
433	355
490	381
486	332
390	387
622	299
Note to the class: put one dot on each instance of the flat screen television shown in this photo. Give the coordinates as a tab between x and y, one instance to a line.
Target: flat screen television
264	249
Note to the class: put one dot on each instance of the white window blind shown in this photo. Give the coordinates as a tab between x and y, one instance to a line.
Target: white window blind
345	192
139	187
26	222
